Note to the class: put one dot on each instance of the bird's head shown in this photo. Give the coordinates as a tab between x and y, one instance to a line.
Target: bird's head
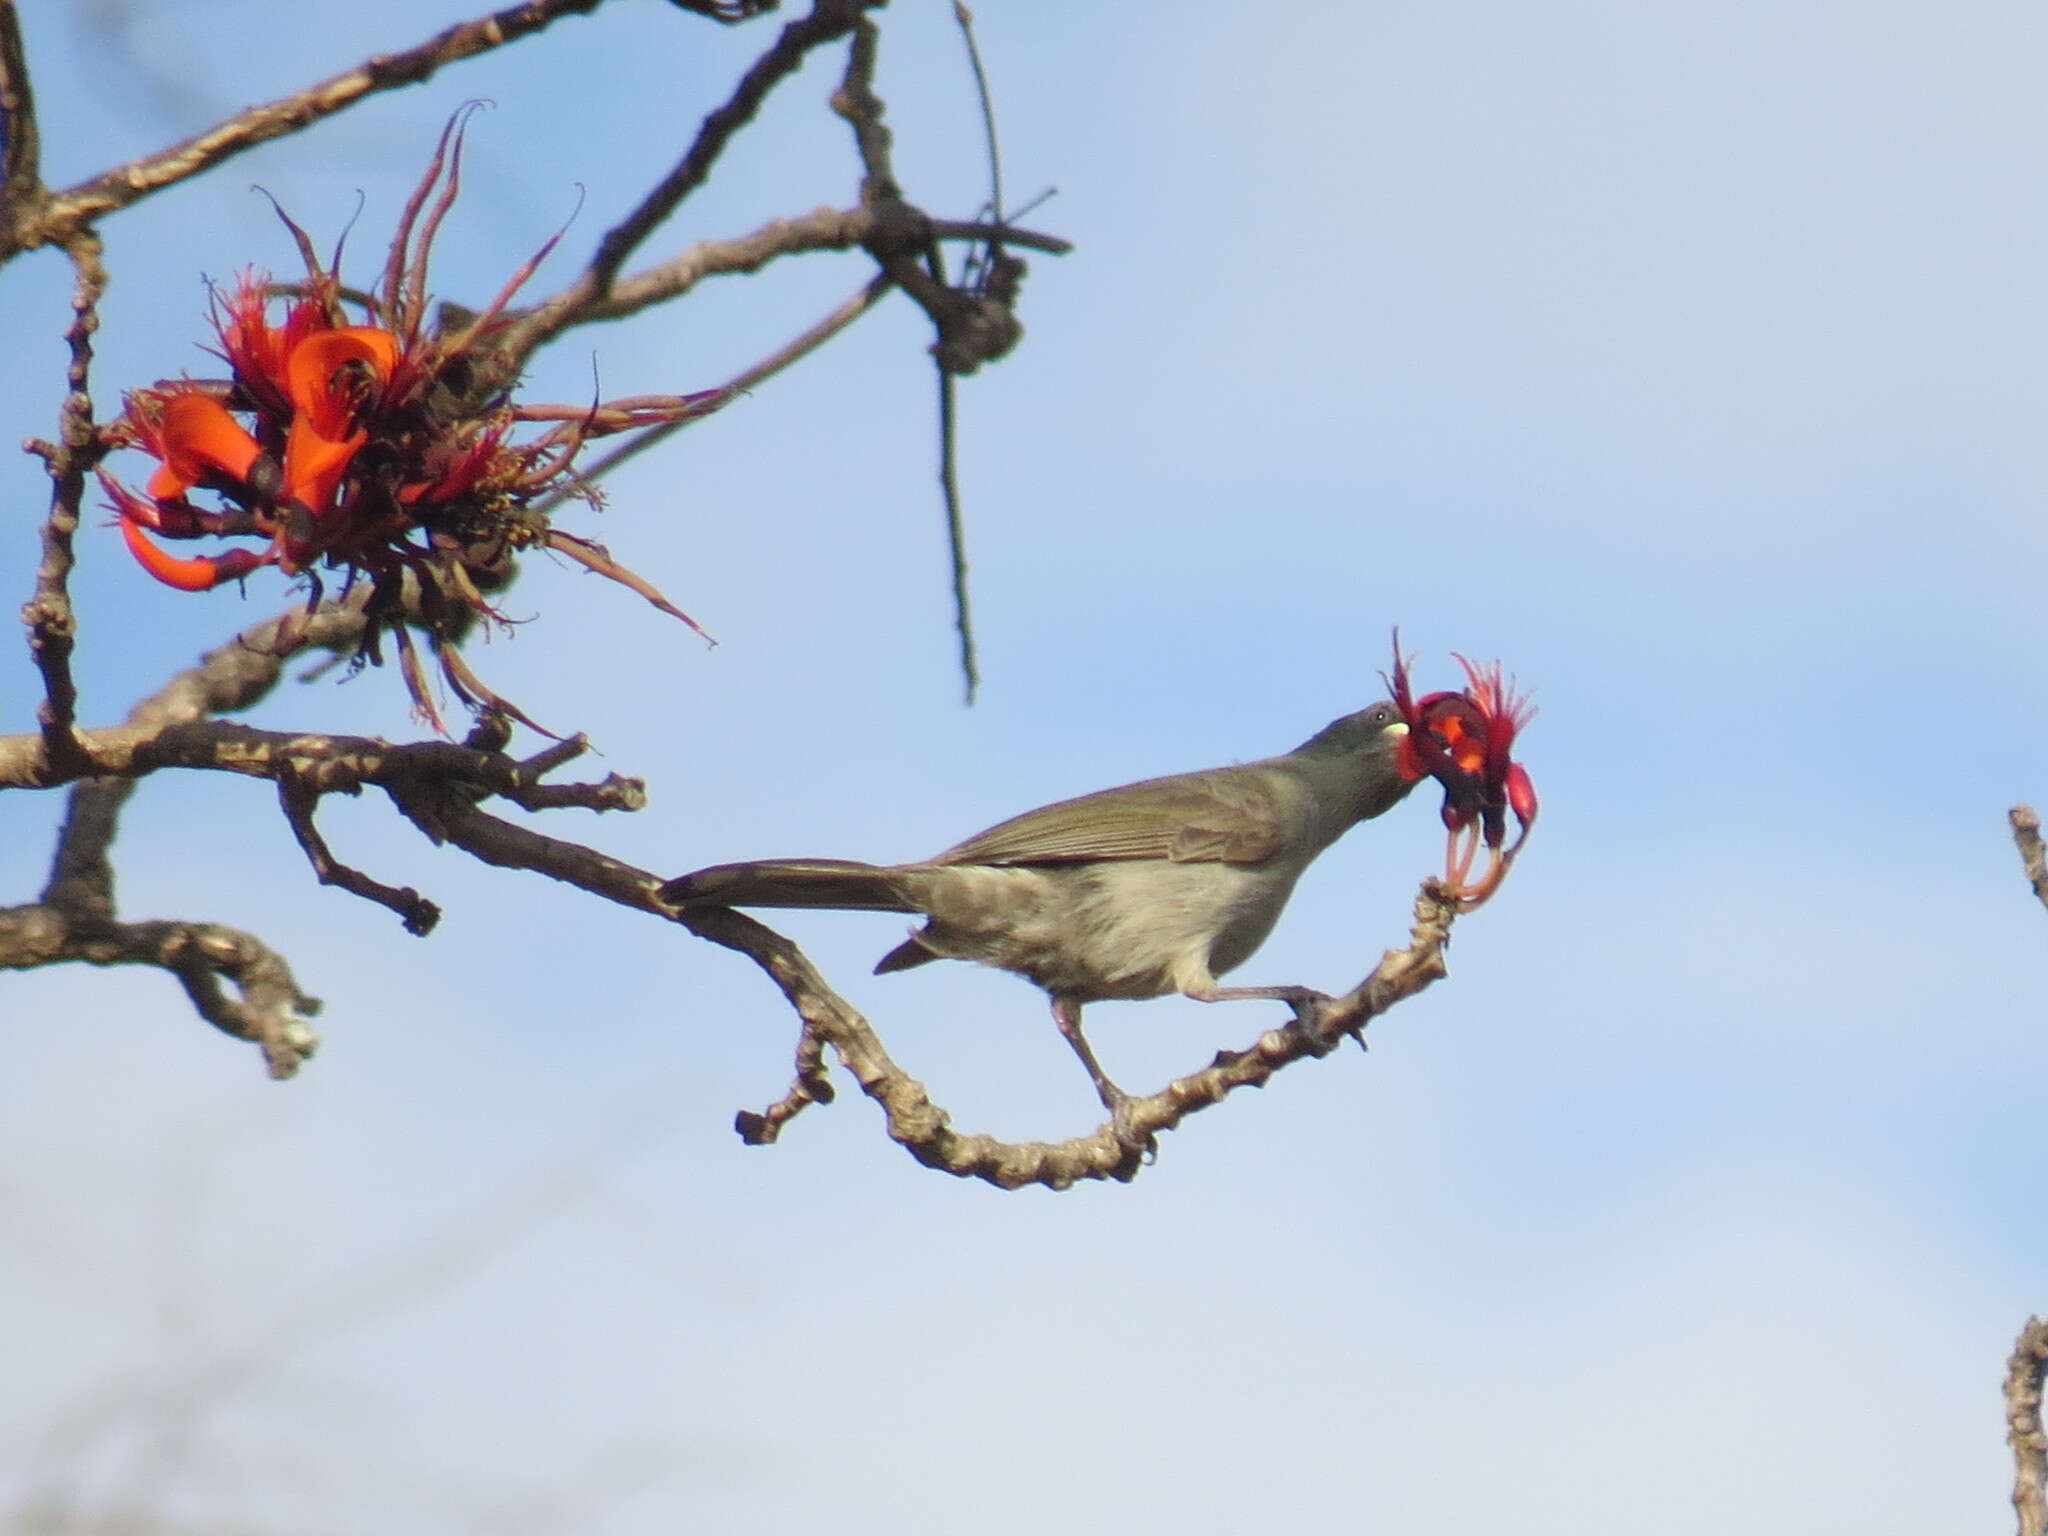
1465	741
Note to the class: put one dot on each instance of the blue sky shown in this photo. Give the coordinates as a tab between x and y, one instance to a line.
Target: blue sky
1688	360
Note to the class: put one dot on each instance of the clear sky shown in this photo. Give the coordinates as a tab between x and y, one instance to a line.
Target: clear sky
1689	359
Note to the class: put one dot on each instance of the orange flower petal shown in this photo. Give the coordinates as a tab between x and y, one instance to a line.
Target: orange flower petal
198	574
314	464
195	433
314	362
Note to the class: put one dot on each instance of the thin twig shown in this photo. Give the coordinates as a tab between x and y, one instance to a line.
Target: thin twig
829	20
796	348
64	212
956	535
299	803
823	229
811	1084
965	18
52	624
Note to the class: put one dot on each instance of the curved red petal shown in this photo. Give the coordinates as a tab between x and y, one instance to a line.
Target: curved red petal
195	433
314	465
197	574
310	374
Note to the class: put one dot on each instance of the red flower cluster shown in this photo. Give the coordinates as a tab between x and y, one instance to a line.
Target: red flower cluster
1464	741
382	450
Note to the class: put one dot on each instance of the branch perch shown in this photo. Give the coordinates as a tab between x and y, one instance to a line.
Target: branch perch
924	1130
2024	1375
269	1008
2026	836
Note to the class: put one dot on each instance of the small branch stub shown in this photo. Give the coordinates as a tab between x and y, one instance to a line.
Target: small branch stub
2024	1374
2026	836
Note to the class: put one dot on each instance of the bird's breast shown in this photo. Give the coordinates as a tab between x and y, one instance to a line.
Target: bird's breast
1117	929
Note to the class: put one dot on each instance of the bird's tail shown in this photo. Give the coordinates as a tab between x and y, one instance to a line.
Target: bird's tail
825	883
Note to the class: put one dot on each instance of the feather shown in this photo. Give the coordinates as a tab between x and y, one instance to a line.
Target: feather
828	883
1225	815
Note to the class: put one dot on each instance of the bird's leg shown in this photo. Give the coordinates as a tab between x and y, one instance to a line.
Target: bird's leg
1458	860
1306	1002
1066	1013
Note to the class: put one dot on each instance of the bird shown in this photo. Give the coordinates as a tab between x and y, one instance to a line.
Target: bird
1134	892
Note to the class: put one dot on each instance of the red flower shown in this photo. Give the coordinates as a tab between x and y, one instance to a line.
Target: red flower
379	449
1465	742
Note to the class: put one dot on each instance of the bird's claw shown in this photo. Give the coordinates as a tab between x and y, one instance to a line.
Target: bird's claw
1143	1145
1308	1010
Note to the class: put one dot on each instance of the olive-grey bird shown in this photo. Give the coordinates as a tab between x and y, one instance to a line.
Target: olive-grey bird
1134	892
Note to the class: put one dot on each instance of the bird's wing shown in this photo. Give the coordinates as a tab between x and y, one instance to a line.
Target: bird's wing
1225	815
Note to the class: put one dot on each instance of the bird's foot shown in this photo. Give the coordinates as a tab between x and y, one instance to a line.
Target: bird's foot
1143	1145
1308	1010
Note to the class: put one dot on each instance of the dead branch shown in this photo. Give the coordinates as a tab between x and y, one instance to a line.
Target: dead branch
269	1009
822	229
48	614
956	535
828	20
974	326
924	1129
20	140
299	803
48	217
232	978
2025	1373
229	678
74	918
2026	836
782	357
439	788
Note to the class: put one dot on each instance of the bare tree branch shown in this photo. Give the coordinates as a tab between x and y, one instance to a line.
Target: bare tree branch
828	20
956	534
923	1128
299	802
48	614
2024	1375
21	182
74	919
231	677
270	1010
57	216
974	327
2026	836
438	786
790	352
433	782
232	978
964	18
823	229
